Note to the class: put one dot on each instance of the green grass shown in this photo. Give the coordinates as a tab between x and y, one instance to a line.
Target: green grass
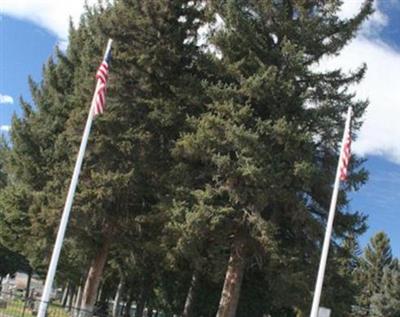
56	311
15	308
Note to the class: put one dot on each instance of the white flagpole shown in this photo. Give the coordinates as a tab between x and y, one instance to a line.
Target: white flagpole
329	225
67	208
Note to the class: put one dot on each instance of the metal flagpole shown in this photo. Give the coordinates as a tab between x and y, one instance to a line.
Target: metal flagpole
329	225
67	208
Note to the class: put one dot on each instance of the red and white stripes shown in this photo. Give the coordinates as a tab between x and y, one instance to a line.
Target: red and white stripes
345	155
100	96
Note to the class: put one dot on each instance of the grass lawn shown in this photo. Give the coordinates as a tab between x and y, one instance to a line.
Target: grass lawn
15	308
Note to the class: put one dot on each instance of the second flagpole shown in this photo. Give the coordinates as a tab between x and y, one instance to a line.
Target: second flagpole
67	209
329	225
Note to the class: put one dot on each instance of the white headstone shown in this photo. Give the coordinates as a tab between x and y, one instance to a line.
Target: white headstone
324	312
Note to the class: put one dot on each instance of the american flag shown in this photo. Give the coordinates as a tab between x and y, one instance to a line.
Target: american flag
345	156
100	94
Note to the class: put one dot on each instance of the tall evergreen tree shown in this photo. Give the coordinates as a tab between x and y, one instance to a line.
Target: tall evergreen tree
153	85
374	274
267	145
36	158
10	262
386	303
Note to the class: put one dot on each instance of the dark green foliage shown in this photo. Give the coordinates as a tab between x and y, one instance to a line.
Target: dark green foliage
342	264
265	149
377	275
195	148
11	262
154	84
386	303
3	153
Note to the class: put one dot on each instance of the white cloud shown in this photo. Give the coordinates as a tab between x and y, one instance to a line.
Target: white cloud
380	133
374	24
51	14
5	128
6	99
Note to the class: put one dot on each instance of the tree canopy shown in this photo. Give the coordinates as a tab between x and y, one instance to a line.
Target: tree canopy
211	168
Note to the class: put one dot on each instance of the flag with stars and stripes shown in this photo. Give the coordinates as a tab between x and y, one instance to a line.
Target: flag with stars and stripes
345	155
99	99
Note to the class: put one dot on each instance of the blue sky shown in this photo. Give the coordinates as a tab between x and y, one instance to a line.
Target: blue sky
28	38
380	200
24	47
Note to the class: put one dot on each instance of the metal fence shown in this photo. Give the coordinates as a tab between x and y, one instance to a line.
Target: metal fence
14	305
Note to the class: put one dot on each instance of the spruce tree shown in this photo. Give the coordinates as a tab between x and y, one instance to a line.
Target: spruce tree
377	260
386	303
36	158
152	83
266	146
153	86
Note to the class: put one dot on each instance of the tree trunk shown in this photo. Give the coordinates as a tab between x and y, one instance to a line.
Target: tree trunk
93	280
100	293
128	305
28	284
140	307
77	304
103	293
141	302
65	296
78	301
117	298
233	280
70	299
74	298
188	309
